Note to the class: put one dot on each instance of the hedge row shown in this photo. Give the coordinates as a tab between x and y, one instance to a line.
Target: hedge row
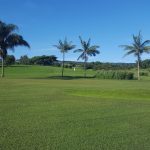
120	75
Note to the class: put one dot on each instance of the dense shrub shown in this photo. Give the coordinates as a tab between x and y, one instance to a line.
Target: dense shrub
145	64
67	66
143	73
120	75
43	60
24	60
10	60
108	66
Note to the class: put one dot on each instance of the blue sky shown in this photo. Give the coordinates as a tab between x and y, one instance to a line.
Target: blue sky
108	23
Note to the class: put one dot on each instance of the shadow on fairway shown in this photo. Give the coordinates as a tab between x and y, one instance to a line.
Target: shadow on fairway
64	78
19	66
69	77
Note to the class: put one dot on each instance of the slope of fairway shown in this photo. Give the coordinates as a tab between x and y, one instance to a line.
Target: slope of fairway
83	114
43	72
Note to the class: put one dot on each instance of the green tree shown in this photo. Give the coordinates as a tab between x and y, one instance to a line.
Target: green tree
9	39
64	47
43	60
9	60
137	48
24	60
86	51
145	64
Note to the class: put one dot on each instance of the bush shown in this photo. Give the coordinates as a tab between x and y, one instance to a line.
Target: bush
68	66
129	76
143	73
24	60
120	75
10	60
43	60
145	64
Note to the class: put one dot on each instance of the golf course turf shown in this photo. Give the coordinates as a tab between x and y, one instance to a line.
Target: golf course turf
43	113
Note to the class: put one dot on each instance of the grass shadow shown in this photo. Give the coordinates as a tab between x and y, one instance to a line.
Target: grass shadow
16	66
69	77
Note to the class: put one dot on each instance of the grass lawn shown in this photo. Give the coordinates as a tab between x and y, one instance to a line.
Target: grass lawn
41	113
43	72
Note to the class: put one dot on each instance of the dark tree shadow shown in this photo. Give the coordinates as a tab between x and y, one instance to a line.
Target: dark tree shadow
17	66
63	78
69	77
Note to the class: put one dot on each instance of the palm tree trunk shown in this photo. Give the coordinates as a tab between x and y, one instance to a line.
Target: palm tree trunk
138	67
85	67
2	74
63	64
138	70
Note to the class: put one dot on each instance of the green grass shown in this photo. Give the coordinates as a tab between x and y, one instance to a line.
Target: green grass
43	72
41	113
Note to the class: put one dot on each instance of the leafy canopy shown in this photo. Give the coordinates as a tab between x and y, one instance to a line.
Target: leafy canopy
138	47
87	49
64	46
9	38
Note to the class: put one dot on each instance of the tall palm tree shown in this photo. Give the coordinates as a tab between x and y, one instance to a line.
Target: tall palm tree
9	40
137	48
86	50
64	47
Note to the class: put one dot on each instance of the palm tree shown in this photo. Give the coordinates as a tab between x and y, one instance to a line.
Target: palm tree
9	40
137	48
87	50
64	47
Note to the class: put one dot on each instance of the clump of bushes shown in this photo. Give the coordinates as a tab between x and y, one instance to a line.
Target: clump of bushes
120	75
143	73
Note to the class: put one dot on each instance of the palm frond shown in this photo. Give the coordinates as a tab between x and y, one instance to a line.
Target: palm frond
82	42
137	40
78	50
146	49
64	46
92	51
57	46
6	30
87	49
16	40
88	43
130	52
81	56
138	47
127	47
94	47
145	43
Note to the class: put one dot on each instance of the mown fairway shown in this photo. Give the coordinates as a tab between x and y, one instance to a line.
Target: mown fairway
42	113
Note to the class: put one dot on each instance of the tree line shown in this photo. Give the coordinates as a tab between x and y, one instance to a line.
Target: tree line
9	39
53	61
25	60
